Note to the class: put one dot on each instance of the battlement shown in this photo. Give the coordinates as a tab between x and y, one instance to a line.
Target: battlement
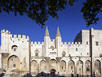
20	36
15	35
5	31
72	43
36	43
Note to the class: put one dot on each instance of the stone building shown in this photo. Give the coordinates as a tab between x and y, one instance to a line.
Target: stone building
81	57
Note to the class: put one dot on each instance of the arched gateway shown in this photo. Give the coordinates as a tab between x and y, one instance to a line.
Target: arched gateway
53	64
13	62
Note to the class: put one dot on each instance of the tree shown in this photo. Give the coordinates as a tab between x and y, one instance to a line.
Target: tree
90	10
40	10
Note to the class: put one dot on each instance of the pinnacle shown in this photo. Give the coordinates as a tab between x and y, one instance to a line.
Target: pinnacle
58	32
46	32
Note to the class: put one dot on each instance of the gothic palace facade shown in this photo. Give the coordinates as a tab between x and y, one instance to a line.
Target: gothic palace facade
82	57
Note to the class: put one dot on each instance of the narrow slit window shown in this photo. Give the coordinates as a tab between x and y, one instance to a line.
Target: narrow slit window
14	47
36	54
87	43
97	43
76	49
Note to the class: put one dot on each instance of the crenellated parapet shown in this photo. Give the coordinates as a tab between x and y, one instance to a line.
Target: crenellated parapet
5	31
37	43
72	43
14	35
20	37
24	38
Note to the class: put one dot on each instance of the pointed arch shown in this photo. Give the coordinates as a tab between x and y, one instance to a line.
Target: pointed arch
88	67
79	67
43	66
13	62
62	66
34	67
97	68
53	64
71	67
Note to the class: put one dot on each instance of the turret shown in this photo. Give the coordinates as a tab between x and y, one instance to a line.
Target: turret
58	40
47	36
58	33
46	40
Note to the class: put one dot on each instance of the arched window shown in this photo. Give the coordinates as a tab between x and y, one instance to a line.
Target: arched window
14	47
52	47
63	54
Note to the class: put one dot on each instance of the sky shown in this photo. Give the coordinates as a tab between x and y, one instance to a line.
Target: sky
70	23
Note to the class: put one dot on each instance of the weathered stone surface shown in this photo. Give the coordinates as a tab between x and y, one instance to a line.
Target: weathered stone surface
20	55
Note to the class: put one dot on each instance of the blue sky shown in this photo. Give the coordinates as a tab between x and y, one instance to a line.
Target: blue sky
70	23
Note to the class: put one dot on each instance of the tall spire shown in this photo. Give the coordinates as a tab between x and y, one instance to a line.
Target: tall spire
58	32
46	32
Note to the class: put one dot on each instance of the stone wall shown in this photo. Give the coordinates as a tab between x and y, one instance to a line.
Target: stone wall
19	54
